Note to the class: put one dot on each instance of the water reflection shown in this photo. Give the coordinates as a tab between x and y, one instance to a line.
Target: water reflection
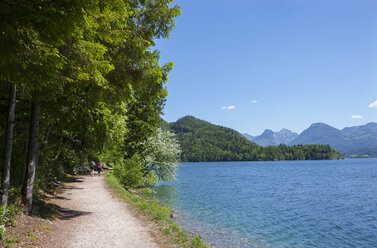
167	194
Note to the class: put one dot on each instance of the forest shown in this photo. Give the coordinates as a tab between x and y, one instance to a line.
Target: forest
80	80
203	141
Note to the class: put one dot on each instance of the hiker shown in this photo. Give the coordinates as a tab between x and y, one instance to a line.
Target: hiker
92	166
99	167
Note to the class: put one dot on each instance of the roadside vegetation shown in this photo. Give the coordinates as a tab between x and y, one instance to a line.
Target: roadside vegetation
144	203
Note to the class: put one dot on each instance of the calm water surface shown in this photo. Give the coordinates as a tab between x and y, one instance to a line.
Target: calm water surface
277	204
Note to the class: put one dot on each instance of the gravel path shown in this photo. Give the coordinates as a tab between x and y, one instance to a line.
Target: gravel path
93	217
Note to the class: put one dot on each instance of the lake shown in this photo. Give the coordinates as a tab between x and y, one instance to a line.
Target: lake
277	204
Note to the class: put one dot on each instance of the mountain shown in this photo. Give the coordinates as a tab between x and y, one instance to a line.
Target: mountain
320	133
285	136
361	137
350	141
270	138
249	137
203	141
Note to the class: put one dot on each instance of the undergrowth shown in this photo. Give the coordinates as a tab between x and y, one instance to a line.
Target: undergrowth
7	218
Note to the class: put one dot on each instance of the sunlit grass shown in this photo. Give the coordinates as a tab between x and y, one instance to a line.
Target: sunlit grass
149	206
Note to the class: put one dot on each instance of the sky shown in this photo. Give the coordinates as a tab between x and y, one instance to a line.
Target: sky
252	65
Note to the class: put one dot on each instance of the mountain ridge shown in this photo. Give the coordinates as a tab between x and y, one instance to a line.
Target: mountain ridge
271	138
355	141
203	141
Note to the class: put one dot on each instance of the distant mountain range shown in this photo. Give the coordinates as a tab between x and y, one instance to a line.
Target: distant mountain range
357	141
203	141
270	138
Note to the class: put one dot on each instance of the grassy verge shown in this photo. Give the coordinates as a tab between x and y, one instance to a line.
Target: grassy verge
160	214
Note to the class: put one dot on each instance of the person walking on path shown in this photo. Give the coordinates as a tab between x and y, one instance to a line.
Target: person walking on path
92	166
99	167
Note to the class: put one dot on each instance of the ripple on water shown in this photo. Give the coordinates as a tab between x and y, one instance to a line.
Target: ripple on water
278	204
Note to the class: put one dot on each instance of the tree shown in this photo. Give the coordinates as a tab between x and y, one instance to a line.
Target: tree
32	156
30	34
78	65
8	147
161	155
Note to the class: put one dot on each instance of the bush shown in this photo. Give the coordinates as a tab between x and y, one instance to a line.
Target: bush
7	218
130	174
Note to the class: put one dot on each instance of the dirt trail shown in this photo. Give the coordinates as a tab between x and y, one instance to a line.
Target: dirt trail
93	217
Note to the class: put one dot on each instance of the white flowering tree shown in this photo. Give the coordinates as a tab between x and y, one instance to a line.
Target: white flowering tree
161	154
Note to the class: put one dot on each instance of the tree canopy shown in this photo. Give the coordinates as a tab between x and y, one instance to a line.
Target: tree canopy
86	73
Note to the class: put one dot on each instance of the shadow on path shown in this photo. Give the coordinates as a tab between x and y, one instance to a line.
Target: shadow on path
45	209
67	214
48	210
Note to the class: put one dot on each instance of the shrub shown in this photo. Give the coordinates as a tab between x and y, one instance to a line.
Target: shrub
7	217
130	174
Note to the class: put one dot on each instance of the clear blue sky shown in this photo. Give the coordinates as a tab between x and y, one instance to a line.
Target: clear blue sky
256	64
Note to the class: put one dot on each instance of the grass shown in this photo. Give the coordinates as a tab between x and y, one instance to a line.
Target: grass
10	241
149	206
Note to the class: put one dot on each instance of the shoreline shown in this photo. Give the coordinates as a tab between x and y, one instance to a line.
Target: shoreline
84	207
150	210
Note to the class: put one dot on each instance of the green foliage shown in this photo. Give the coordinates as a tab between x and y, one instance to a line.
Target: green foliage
7	218
161	154
198	243
130	174
165	125
203	141
94	67
143	119
158	161
10	241
147	205
3	231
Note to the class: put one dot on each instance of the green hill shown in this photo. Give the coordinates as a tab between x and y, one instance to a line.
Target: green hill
203	141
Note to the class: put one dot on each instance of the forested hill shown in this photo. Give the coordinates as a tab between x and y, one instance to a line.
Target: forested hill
203	141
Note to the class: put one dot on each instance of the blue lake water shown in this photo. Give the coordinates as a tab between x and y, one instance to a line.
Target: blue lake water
277	204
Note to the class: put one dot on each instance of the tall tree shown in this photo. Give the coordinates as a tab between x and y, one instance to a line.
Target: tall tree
30	32
79	63
8	146
32	157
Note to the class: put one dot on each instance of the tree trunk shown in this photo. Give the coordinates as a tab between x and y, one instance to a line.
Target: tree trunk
48	130
59	147
32	156
8	146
